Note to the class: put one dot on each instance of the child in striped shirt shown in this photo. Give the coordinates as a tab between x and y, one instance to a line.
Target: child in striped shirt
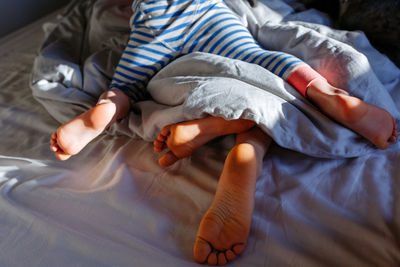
161	31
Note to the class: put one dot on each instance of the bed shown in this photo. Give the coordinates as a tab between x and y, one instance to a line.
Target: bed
325	198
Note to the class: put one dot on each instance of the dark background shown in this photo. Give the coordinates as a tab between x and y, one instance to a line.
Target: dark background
15	14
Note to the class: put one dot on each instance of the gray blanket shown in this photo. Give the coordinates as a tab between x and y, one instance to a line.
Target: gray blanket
77	62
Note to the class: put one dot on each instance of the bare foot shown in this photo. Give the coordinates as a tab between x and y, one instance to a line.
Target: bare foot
373	123
223	231
184	138
70	138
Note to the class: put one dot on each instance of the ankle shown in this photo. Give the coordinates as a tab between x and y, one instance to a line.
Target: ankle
119	99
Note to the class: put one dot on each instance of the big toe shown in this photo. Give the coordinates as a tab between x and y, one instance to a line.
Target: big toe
60	155
395	133
167	159
201	250
383	145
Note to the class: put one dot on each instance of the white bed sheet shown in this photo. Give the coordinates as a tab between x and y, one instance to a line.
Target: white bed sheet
112	205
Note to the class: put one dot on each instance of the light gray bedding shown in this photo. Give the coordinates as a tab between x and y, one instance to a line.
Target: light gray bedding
112	205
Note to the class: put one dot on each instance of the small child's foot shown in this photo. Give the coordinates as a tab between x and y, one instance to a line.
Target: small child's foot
223	231
373	123
184	138
70	138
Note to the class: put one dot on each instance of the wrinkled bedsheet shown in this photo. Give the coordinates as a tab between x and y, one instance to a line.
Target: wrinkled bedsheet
112	205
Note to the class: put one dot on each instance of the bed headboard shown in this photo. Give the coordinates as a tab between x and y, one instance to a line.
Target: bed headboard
16	14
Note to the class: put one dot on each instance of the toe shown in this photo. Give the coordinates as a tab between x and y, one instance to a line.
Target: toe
238	249
54	148
383	146
53	139
53	143
221	258
201	250
162	138
229	255
395	133
212	258
60	155
167	159
165	131
158	146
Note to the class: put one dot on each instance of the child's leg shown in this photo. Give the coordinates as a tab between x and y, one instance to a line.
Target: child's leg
73	136
371	122
224	229
183	138
225	35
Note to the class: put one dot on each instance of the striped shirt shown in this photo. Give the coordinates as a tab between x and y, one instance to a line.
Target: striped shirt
162	30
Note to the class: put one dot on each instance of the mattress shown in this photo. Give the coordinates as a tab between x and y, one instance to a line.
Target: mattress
113	205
